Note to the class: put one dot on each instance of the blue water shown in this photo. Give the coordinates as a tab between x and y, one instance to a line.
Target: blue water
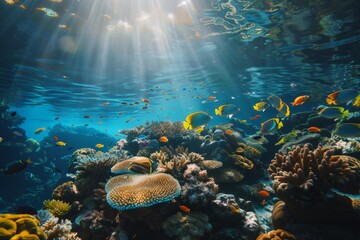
102	58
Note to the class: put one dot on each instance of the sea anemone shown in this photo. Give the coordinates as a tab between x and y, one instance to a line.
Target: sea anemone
56	207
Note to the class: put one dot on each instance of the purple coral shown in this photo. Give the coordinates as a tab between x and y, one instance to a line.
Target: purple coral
198	189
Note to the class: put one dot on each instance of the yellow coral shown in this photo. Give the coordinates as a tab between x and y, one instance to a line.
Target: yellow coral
56	207
20	226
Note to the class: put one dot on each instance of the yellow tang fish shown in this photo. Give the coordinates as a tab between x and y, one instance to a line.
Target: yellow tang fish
39	130
197	121
261	106
227	110
60	143
99	145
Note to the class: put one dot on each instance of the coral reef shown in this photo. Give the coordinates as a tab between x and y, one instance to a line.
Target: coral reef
20	226
198	189
242	161
67	192
95	226
133	165
169	129
56	207
56	230
211	164
226	175
187	226
278	234
133	133
226	210
133	191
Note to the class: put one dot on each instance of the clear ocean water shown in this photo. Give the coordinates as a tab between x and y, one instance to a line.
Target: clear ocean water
96	67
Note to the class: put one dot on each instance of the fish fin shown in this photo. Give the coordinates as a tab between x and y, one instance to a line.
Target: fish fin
186	125
280	125
217	111
230	116
345	114
200	129
292	103
280	142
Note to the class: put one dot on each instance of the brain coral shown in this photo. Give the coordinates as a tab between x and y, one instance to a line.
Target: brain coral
278	234
135	190
20	226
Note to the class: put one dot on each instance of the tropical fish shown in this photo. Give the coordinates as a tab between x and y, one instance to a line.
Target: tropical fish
86	116
348	130
356	102
255	117
56	118
39	130
12	2
342	96
290	136
299	100
261	106
60	143
229	132
55	138
314	129
264	193
1	139
227	110
184	208
145	100
16	166
275	102
270	126
197	121
209	98
234	209
49	12
163	139
284	110
99	145
333	112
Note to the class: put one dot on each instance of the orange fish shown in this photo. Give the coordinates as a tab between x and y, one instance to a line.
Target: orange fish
55	138
255	117
314	129
234	209
145	100
163	139
184	208
300	100
228	131
209	98
264	193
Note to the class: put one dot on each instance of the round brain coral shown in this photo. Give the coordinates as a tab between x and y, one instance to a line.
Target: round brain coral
136	190
278	234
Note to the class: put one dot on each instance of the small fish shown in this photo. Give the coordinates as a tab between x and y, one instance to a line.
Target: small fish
85	125
55	138
227	110
290	136
276	102
261	106
163	139
255	117
333	112
299	100
229	132
123	103
356	102
49	12
342	96
284	110
270	126
348	130
314	129
264	193
210	98
106	103
184	208
13	114
12	2
39	130
145	100
64	26
1	139
99	145
197	121
56	118
86	116
60	144
234	209
16	166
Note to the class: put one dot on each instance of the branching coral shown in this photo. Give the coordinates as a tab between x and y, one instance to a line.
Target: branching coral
198	189
187	226
130	191
301	167
278	234
20	226
56	230
56	207
133	133
168	129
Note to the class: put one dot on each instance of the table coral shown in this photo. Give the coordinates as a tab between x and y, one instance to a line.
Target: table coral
278	234
136	164
184	226
20	226
130	191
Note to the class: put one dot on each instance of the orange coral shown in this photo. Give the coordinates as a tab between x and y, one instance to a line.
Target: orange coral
278	234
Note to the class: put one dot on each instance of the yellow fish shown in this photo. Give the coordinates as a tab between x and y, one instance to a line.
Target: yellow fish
290	136
261	106
39	130
60	143
270	126
99	145
284	110
197	121
227	110
356	102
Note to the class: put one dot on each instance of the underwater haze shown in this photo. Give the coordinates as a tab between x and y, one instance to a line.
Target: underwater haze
198	119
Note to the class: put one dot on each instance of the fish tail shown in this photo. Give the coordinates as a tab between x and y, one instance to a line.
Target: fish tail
200	129
292	103
345	114
280	125
217	111
330	101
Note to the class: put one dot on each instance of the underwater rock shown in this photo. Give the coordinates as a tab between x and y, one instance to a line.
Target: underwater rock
226	175
251	225
227	211
66	192
184	226
310	138
198	189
